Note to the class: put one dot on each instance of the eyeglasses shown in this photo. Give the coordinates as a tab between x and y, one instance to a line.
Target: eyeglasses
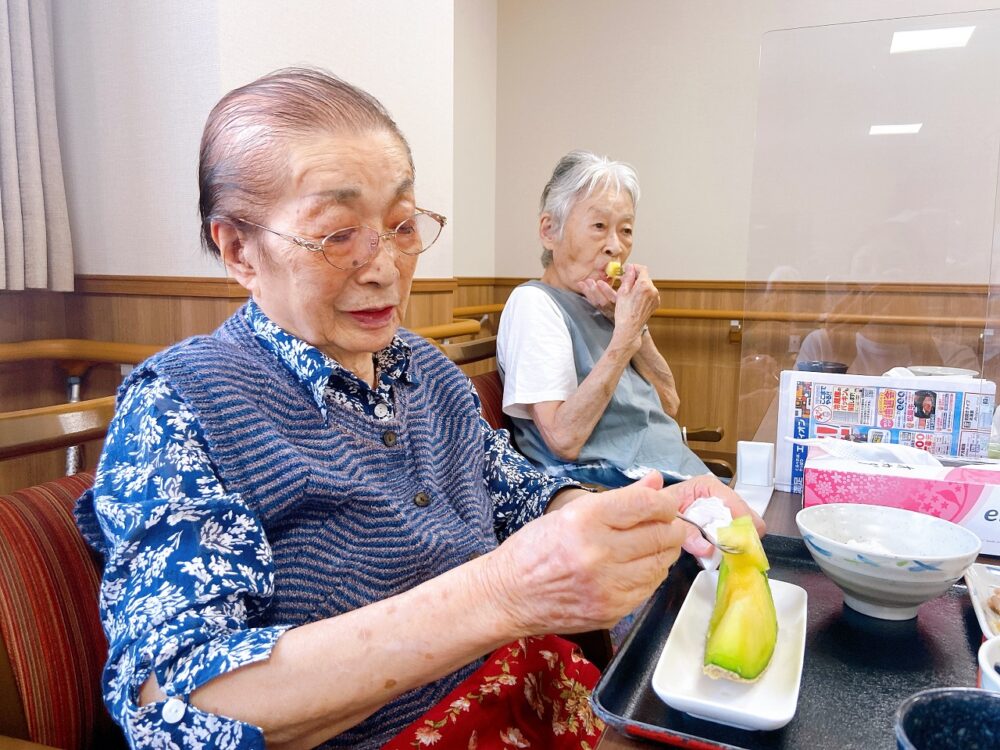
349	249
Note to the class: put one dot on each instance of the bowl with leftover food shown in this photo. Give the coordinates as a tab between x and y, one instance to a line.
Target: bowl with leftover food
887	561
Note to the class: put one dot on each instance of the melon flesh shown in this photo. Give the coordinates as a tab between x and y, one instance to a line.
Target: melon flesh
744	626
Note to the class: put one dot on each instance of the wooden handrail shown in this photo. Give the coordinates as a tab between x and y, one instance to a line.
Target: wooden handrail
92	352
447	330
77	350
475	311
822	318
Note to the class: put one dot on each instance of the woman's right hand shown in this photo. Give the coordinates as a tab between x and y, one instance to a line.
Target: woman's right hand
589	563
637	299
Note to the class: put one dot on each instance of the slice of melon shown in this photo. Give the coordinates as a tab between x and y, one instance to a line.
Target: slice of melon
743	629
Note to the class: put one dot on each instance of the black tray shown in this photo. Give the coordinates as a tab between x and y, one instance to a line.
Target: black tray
857	669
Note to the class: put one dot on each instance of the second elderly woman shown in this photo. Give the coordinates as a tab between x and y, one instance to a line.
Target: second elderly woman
590	395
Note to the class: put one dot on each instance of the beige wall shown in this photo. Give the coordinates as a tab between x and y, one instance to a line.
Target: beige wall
668	85
474	222
137	80
489	92
134	82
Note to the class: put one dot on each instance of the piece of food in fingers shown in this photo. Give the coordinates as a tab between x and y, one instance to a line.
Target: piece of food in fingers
614	269
743	629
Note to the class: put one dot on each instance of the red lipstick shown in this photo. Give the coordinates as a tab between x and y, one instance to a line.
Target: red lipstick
373	317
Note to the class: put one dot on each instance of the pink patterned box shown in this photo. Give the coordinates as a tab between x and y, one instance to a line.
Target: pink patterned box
968	495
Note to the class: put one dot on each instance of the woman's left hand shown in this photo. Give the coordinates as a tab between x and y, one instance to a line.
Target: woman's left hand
686	493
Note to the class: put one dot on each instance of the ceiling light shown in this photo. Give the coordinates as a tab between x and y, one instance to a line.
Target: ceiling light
913	127
914	41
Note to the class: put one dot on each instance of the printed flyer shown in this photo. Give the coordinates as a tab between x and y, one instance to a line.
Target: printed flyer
944	416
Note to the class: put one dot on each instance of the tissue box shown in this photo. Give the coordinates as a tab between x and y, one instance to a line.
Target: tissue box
880	409
967	494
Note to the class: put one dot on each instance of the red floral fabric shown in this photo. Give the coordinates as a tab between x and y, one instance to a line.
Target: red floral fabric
531	693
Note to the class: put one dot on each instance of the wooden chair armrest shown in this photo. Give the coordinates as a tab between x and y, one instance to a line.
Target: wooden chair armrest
720	467
703	434
476	350
9	743
49	427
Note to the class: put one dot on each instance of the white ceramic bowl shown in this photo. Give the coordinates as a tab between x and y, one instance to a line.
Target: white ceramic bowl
989	657
887	561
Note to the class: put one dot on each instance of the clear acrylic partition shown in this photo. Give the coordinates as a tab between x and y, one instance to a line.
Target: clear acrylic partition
873	225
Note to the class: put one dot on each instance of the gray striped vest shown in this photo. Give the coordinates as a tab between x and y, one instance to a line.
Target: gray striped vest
338	499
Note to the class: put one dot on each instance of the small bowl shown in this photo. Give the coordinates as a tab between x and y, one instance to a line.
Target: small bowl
989	657
949	719
887	561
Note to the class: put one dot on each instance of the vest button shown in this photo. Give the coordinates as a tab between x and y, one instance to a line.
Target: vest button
472	556
173	710
389	438
421	499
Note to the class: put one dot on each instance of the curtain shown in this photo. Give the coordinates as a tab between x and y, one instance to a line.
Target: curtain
35	245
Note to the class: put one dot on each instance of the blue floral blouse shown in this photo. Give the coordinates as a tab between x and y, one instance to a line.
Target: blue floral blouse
187	563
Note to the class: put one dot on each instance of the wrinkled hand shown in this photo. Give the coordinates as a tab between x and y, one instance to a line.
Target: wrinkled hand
600	294
685	493
589	563
631	306
637	298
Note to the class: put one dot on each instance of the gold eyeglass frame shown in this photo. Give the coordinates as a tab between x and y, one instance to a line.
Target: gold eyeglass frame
315	244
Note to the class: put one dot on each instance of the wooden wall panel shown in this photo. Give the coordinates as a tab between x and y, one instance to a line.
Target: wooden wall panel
30	315
161	319
24	385
145	319
134	310
707	364
732	383
18	473
429	308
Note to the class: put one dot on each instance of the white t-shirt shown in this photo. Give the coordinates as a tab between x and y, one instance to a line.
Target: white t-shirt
534	352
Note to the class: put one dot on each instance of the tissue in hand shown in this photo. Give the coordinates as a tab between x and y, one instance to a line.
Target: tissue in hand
968	495
712	514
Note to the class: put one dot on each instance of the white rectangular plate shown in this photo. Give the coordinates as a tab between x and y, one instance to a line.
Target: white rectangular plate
982	580
768	703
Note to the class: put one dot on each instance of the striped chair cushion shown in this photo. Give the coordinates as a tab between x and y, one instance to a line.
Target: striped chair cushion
490	389
48	615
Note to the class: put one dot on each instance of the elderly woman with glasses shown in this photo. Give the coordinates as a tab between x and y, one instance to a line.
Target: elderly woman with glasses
589	394
301	514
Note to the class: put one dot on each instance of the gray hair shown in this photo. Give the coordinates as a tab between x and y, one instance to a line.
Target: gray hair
244	147
577	176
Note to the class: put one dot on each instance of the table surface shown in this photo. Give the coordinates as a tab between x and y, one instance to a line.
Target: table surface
780	519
